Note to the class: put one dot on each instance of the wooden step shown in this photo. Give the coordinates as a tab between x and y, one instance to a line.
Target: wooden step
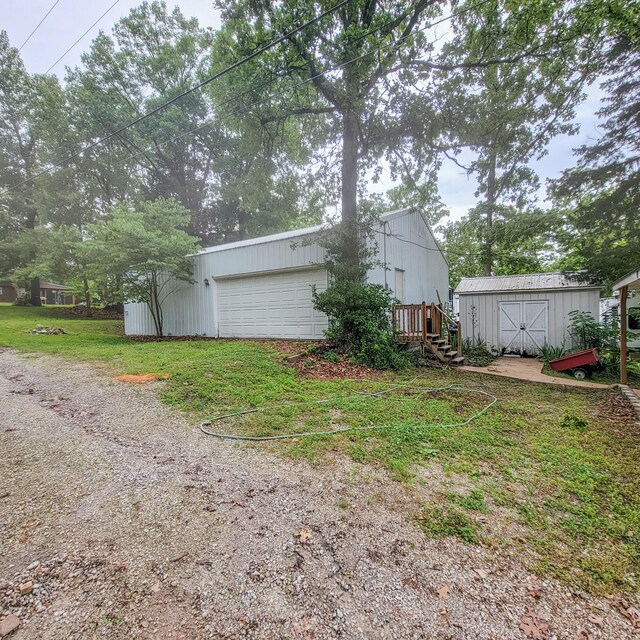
444	347
432	336
458	360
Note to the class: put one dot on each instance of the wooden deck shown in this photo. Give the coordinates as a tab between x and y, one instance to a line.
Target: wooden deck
430	327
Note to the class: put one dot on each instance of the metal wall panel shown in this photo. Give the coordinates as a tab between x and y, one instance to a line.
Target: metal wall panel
560	304
192	309
406	242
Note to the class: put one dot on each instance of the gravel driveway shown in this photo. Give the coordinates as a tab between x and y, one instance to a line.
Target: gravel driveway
132	524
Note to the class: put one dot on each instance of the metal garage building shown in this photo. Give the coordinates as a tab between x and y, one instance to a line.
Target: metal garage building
261	288
519	314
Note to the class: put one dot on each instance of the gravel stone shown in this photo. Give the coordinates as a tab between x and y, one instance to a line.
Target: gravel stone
117	495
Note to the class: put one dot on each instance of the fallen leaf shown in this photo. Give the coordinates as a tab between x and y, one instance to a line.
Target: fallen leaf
583	634
305	535
532	626
532	591
443	592
597	620
482	573
444	614
630	613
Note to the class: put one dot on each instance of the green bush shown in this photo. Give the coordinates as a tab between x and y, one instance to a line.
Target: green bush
360	322
591	334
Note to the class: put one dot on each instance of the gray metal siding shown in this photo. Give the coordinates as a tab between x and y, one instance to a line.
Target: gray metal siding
406	242
560	304
192	309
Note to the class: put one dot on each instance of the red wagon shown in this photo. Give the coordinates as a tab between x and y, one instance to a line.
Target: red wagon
580	364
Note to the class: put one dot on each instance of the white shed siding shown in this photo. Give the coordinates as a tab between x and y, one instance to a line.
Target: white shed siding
406	242
560	304
187	311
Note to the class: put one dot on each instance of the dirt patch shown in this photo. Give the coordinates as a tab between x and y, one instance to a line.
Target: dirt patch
141	378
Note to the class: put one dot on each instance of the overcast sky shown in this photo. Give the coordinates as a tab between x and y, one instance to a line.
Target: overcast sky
70	18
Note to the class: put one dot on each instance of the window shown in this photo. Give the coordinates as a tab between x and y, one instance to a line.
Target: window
633	322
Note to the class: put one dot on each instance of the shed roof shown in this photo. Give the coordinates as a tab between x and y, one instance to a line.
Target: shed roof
287	234
524	282
631	280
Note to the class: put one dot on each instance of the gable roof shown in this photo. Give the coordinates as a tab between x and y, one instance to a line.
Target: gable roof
525	282
286	235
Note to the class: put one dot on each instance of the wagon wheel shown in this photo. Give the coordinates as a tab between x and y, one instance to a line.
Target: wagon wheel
580	374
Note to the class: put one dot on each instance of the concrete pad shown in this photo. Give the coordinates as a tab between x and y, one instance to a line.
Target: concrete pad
529	369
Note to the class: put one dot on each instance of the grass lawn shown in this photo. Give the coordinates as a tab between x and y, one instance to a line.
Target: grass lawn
549	472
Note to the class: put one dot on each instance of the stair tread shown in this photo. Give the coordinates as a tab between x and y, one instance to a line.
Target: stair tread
457	360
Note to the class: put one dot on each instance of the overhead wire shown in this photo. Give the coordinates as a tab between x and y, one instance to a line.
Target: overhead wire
38	25
153	148
81	37
187	92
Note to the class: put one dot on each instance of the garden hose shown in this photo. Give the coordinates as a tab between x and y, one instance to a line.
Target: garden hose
204	426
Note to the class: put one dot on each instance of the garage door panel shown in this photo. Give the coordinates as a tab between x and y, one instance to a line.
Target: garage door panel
271	306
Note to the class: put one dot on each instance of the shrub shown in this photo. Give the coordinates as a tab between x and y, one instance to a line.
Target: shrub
360	322
590	334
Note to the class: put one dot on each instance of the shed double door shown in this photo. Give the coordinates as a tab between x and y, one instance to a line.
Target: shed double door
524	326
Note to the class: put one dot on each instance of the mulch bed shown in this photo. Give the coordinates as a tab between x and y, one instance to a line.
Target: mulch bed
316	366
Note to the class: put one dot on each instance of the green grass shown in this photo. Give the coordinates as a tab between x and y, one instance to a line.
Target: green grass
545	470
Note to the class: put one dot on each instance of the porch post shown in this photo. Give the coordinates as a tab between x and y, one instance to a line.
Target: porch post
624	292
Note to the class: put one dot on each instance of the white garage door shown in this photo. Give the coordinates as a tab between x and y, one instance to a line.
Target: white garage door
271	306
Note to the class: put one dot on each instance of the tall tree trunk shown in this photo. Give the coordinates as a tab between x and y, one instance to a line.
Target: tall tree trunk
351	240
491	203
34	294
87	295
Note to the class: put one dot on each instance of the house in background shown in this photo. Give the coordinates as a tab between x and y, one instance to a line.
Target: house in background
520	314
261	288
50	293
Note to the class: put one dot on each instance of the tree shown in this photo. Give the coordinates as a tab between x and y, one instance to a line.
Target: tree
600	197
512	112
20	129
523	242
147	249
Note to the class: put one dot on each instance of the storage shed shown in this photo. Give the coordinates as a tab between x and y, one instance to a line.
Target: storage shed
261	288
520	314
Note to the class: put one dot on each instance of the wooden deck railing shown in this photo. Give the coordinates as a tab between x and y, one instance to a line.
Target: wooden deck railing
416	322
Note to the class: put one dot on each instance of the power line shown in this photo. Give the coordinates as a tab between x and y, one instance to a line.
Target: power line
82	36
156	146
38	25
168	103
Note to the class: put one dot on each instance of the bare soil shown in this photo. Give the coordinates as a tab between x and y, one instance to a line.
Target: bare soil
130	523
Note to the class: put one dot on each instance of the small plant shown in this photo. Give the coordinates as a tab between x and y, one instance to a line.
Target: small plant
442	523
549	352
575	423
477	352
